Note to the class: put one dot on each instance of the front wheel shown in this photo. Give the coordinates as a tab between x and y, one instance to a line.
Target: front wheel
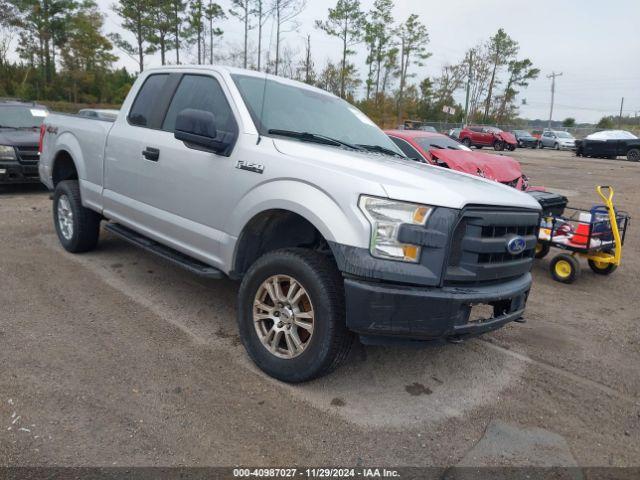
540	145
291	315
498	145
512	148
564	268
466	142
633	155
78	228
556	146
602	268
542	249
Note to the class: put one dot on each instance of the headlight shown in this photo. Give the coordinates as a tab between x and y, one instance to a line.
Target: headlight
7	152
385	217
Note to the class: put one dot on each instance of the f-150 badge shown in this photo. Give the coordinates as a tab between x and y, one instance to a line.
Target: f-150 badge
251	167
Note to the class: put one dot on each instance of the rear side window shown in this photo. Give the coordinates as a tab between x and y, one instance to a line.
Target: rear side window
147	99
200	92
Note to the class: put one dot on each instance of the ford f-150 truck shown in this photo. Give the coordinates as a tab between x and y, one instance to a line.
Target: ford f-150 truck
332	231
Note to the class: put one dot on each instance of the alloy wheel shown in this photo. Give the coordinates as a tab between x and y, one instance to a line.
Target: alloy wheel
65	217
283	316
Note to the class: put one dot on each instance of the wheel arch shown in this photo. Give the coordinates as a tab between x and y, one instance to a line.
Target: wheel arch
271	230
63	167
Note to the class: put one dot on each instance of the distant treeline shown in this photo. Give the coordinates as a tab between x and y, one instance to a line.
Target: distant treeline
63	54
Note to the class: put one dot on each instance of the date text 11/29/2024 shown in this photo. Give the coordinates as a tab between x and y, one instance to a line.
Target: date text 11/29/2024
315	473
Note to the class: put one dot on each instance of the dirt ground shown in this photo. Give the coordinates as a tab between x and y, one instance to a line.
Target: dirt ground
118	358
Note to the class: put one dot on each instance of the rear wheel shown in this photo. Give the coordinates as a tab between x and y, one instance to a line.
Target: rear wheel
291	315
633	155
540	145
602	268
78	228
564	268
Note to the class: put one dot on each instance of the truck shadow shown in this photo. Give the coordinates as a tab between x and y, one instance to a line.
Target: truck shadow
23	189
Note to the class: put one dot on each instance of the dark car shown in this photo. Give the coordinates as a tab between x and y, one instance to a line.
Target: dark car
19	136
525	139
610	144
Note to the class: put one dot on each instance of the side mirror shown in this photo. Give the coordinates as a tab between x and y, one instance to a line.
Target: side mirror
197	128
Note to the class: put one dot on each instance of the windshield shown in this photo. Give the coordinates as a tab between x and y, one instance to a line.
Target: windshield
522	133
18	116
563	135
427	143
297	109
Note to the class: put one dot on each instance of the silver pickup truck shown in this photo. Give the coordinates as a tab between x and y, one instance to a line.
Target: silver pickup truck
331	229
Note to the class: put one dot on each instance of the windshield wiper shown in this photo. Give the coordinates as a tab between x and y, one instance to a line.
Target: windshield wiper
8	126
379	149
312	137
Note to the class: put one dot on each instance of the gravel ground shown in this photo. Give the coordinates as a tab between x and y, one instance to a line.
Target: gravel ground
118	358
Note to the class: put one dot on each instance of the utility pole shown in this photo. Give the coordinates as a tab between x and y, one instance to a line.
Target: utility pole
553	93
469	79
620	117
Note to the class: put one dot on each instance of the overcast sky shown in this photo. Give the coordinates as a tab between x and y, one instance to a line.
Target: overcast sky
595	44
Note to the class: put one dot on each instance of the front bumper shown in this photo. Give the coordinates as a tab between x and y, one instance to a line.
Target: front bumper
431	313
14	173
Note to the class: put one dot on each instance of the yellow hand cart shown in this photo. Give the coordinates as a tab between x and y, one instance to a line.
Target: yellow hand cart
596	234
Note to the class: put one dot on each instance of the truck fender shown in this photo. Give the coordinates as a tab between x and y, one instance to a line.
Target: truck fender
308	201
67	142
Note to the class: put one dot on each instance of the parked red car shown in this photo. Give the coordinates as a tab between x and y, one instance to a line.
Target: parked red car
487	137
440	150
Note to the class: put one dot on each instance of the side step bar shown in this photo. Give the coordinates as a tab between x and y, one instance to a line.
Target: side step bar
179	258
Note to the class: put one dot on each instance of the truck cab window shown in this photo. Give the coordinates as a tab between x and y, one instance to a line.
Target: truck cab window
146	100
202	93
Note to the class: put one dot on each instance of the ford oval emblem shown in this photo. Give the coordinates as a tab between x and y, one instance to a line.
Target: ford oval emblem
516	245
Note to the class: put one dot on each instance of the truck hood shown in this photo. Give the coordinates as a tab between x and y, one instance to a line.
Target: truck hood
19	138
405	179
494	167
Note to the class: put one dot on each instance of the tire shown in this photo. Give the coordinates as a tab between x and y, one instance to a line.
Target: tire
466	142
498	146
328	343
542	249
633	155
78	228
564	268
602	269
556	146
479	147
540	145
512	148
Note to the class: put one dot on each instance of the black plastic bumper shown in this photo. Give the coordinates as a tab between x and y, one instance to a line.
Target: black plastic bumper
422	313
11	173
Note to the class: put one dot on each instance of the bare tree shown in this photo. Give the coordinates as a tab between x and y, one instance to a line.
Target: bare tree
243	11
285	12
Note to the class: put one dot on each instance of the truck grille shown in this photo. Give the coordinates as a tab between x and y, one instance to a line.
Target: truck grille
479	245
28	155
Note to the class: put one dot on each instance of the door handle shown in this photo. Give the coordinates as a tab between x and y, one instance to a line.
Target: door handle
152	154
